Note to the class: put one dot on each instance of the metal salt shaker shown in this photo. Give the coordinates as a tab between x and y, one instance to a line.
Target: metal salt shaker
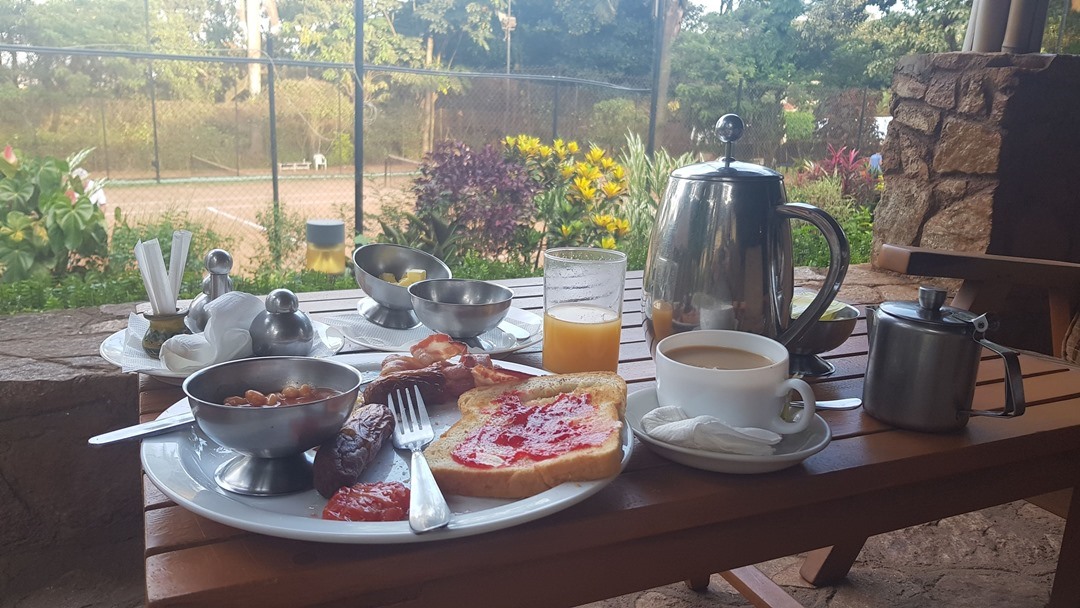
282	329
217	281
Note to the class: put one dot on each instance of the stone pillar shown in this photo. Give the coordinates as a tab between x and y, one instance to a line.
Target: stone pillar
983	155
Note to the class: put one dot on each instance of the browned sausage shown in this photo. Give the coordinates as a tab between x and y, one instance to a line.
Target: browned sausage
431	381
340	461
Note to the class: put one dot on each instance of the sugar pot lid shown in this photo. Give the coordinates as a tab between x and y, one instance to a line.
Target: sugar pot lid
929	310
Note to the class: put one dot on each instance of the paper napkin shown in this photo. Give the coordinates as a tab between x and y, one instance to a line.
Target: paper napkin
673	425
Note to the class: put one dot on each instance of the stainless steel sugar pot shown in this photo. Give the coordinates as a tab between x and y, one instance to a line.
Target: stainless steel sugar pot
923	362
720	251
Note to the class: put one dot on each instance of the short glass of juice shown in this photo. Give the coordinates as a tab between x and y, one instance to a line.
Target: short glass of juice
583	296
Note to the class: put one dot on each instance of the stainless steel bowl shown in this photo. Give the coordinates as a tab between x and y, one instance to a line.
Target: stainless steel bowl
271	440
462	308
822	337
392	306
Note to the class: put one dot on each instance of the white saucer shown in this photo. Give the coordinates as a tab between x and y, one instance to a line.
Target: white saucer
358	329
791	450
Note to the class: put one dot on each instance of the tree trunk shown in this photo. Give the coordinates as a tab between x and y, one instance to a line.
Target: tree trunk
673	14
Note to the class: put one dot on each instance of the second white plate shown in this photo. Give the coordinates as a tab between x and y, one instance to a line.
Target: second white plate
357	328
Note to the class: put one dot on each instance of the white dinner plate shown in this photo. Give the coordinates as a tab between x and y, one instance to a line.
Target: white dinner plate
112	350
182	465
363	332
791	450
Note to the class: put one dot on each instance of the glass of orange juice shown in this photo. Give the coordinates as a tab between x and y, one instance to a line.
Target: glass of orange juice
583	296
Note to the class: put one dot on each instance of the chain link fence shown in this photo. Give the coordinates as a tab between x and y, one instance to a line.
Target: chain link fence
210	158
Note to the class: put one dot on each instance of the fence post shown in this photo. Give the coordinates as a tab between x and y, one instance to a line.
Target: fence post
555	112
273	119
358	117
104	138
654	99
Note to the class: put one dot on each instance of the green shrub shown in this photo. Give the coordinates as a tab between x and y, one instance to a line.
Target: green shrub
808	245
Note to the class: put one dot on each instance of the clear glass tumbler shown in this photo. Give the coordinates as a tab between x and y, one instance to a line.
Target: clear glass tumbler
583	296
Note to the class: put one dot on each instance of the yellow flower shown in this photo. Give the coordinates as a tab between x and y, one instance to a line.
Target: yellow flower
545	151
567	171
608	242
612	189
572	147
594	155
607	163
510	141
618	172
602	220
622	227
587	171
585	187
565	230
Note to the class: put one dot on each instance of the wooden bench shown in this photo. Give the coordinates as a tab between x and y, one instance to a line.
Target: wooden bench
294	166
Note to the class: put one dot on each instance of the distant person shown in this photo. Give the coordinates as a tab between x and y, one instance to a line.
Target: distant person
875	162
94	190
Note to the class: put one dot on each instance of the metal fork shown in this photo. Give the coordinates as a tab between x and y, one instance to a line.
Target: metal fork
412	431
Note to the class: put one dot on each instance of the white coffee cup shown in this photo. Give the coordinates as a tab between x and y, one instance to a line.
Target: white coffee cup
748	397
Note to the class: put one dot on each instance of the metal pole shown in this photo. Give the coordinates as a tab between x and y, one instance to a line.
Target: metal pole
862	115
236	131
555	112
153	95
660	8
273	119
358	121
105	138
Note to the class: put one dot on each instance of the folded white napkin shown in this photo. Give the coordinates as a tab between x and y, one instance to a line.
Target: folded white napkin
226	336
672	425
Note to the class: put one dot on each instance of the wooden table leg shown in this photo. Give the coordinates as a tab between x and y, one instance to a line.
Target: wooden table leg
829	565
1066	590
759	589
698	583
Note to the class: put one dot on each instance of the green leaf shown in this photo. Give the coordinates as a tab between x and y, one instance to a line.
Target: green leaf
15	193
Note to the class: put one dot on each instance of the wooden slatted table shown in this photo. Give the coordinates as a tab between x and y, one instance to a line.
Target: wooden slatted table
658	522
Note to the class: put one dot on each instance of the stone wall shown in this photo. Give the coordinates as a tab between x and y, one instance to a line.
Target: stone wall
982	156
58	495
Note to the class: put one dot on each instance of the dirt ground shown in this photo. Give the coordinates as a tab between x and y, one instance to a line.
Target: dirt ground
231	207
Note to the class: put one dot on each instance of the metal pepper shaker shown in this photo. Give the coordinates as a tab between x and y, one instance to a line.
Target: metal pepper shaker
281	329
219	264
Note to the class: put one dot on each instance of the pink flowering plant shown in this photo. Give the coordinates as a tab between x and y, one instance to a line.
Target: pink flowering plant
48	224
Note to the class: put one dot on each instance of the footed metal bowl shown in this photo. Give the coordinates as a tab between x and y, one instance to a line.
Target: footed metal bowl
822	337
391	306
461	308
271	441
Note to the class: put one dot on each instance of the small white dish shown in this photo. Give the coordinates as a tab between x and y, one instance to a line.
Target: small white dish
112	349
791	450
358	329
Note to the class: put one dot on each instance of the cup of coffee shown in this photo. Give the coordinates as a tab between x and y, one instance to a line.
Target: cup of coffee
738	377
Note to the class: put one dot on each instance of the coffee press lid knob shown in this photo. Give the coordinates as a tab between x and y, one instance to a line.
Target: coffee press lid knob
729	128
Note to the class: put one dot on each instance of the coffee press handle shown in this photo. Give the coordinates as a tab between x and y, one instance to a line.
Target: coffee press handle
839	256
1014	382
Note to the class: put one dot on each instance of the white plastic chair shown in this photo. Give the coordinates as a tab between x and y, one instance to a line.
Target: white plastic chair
320	161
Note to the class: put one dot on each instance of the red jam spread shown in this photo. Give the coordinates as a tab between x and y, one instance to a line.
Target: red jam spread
379	501
517	432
